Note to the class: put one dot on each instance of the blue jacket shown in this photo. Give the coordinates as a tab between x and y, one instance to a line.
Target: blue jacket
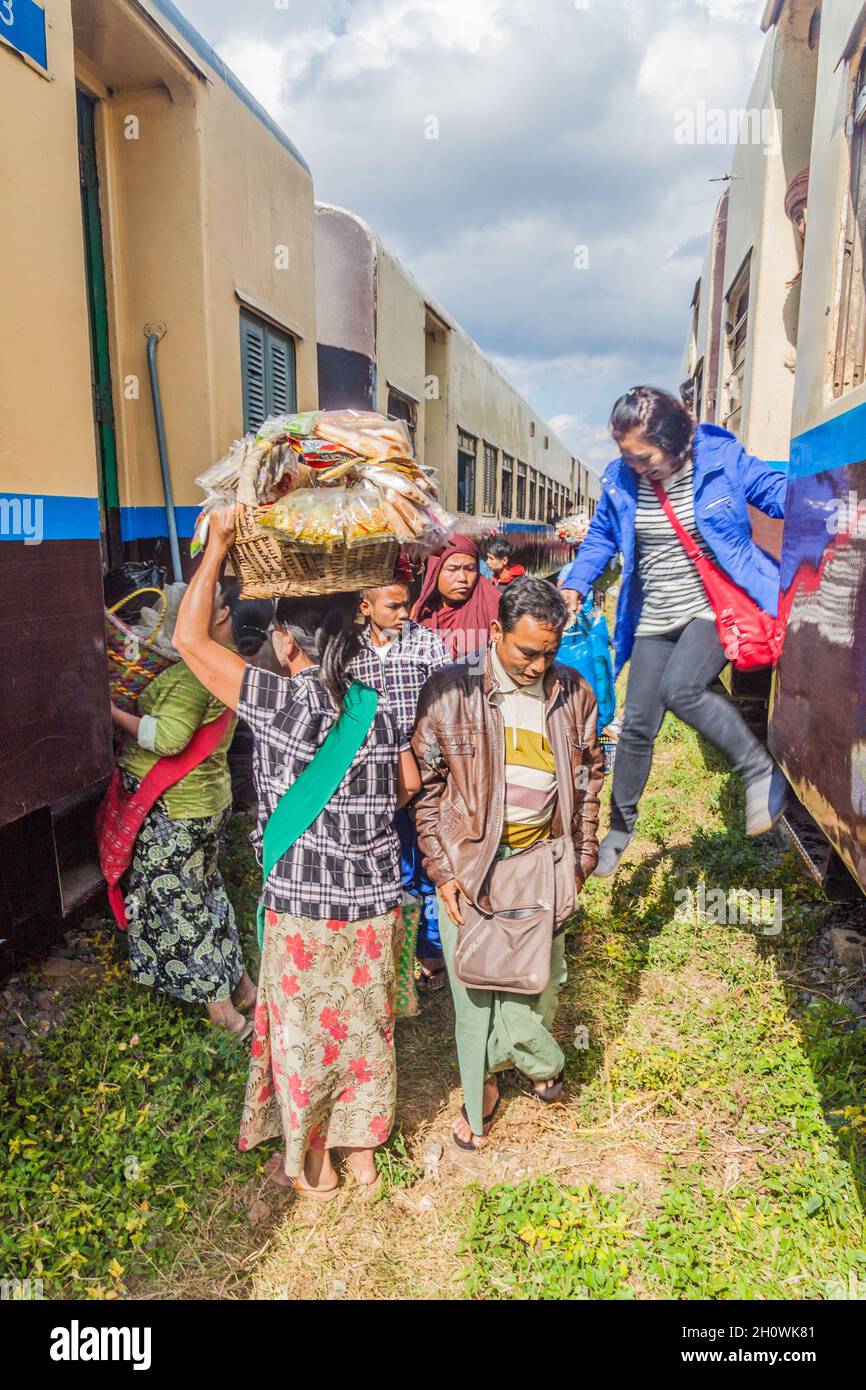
726	479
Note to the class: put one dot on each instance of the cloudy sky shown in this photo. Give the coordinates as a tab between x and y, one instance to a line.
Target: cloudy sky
556	123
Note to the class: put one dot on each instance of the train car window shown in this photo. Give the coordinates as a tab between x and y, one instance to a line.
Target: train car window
736	336
491	470
467	454
268	371
402	407
507	485
521	490
848	365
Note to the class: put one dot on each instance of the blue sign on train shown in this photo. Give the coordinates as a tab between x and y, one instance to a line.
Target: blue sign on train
22	24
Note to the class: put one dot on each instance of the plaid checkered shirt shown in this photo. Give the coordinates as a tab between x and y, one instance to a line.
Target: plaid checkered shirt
409	661
347	865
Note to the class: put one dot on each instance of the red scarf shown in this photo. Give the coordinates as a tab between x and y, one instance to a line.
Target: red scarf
464	630
122	813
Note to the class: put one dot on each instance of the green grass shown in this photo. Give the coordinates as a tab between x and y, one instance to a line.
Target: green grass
121	1131
753	1104
722	1123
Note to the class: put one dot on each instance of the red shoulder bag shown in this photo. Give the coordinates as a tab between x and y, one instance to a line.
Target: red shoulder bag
750	637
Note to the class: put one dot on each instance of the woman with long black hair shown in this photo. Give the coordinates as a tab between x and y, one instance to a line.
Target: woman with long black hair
322	1074
665	624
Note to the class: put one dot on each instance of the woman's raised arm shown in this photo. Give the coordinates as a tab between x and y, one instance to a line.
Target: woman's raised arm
220	670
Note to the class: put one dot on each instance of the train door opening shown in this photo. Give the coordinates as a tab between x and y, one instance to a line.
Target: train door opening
97	307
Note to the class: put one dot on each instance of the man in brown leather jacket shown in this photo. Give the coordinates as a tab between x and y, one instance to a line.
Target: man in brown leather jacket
489	789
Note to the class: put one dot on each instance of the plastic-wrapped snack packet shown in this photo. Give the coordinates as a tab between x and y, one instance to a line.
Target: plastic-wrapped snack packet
366	433
201	528
366	518
222	477
300	424
308	517
397	480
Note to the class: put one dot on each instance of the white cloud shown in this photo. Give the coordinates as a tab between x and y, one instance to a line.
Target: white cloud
556	130
590	443
269	69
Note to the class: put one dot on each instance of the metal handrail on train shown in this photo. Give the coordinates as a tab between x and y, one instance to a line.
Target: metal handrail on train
154	332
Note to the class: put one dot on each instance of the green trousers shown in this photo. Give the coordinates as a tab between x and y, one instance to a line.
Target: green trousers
497	1031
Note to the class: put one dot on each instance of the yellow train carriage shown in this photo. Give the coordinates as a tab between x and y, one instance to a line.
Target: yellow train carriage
776	351
157	251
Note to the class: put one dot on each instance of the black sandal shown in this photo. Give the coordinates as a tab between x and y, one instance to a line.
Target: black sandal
553	1092
487	1120
432	981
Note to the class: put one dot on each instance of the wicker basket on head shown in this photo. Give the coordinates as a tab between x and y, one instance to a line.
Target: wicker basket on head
268	569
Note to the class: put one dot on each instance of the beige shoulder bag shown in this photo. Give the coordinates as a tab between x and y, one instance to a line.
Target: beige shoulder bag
531	895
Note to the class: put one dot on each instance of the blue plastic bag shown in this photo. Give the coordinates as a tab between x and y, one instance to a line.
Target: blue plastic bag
586	648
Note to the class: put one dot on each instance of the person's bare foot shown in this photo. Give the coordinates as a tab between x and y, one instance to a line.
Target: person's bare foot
224	1015
549	1091
462	1128
244	994
321	1182
361	1163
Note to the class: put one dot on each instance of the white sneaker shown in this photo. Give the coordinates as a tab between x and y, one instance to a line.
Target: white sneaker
765	802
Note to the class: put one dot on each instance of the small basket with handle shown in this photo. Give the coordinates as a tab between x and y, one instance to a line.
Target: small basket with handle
268	568
132	661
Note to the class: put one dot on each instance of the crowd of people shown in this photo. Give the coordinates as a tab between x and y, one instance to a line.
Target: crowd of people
437	750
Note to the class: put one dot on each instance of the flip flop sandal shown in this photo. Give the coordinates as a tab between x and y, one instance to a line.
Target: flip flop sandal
298	1186
324	1194
240	1033
487	1120
553	1092
432	981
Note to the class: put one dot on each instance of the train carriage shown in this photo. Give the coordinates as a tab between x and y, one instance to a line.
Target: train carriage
137	269
818	718
776	350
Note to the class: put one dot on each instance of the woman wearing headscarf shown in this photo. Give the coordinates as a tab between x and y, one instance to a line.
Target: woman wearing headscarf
456	602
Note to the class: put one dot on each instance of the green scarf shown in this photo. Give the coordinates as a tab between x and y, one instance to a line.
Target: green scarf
311	791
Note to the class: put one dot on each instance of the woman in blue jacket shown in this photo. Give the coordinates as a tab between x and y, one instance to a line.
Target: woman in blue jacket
664	622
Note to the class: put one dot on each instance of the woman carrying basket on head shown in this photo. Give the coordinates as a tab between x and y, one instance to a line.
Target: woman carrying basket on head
331	770
161	825
675	504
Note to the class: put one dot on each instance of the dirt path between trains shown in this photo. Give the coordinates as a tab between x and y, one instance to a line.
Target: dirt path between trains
710	1142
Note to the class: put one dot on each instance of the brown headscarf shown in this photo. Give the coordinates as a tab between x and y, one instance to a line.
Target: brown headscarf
464	630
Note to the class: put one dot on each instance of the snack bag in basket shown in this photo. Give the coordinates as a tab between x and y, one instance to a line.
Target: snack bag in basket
308	517
365	432
365	517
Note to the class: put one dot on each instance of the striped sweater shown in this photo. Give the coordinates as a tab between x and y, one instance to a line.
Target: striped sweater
670	585
530	771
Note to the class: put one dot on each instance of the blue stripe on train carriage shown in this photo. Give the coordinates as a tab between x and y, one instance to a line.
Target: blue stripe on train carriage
143	523
33	518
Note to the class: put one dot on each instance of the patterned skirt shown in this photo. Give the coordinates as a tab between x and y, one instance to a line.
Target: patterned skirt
182	937
322	1071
